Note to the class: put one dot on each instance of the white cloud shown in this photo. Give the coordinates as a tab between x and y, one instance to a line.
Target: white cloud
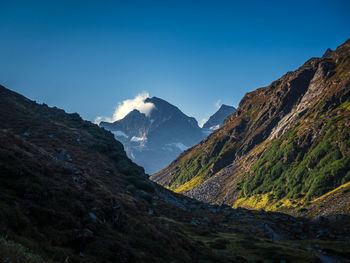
98	119
126	106
218	104
179	145
138	103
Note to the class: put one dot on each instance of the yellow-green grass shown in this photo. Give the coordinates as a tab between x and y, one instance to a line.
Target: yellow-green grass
260	201
254	250
194	182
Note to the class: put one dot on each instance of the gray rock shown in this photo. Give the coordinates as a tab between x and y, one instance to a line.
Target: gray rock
87	233
64	156
93	216
195	222
206	220
274	235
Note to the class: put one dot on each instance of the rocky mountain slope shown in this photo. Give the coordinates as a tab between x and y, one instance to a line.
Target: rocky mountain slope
68	193
217	119
286	146
154	141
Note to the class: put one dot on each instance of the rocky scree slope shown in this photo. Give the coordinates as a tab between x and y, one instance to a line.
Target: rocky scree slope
285	147
68	193
154	141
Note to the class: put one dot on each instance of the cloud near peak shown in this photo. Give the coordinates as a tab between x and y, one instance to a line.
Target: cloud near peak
218	104
126	106
138	103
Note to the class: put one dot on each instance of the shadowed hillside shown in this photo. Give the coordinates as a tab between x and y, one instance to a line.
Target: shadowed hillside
69	194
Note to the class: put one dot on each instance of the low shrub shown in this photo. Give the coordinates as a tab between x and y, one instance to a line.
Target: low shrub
219	243
141	183
11	252
131	188
146	196
290	168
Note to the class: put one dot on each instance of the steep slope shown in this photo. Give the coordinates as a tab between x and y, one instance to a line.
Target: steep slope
287	143
154	141
68	193
217	119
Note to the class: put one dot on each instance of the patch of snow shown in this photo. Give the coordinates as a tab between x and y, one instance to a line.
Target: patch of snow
203	121
119	134
215	127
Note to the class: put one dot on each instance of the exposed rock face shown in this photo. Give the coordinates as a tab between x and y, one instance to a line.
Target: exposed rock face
315	90
217	119
154	141
302	101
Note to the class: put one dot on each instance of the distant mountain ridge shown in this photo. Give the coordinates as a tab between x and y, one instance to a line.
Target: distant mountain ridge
217	119
154	141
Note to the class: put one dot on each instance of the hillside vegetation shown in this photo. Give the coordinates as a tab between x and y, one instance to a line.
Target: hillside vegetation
287	143
68	193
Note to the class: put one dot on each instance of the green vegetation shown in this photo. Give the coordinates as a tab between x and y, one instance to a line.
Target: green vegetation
125	166
190	168
202	163
141	183
251	249
146	196
11	252
294	169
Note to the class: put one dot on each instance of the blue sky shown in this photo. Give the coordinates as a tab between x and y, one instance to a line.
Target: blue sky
86	56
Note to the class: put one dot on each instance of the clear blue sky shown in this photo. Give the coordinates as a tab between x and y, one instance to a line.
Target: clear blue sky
86	56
